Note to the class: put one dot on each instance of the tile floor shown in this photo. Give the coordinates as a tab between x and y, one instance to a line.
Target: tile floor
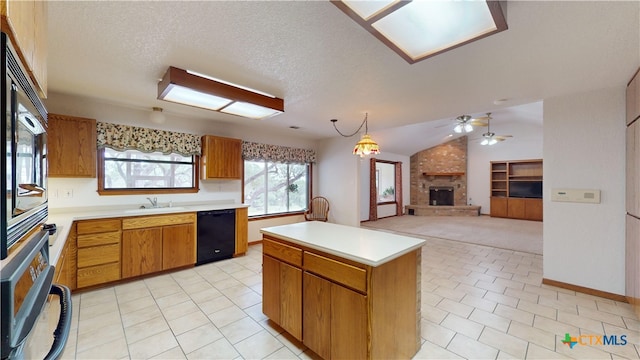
477	302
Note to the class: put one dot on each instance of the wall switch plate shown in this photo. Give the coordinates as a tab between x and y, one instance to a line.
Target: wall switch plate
576	195
68	193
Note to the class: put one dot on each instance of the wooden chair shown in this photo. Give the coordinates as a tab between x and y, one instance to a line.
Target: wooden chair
318	209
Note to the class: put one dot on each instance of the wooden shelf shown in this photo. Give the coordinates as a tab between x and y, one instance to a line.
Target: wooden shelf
504	174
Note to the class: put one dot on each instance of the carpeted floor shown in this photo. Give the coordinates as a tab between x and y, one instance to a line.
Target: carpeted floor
518	235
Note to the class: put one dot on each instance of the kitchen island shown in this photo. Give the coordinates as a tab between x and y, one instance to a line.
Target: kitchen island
345	292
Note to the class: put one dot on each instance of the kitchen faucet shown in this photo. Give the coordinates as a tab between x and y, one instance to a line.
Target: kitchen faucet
154	202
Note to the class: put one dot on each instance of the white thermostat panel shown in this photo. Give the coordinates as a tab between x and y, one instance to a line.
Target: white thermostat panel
576	195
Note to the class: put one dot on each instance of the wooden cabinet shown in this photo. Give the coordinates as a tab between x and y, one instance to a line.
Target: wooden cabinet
71	146
242	231
65	273
154	243
221	158
282	286
178	244
339	308
98	251
515	186
26	23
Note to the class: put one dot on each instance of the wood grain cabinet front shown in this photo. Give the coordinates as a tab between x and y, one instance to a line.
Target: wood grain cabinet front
221	158
98	251
72	148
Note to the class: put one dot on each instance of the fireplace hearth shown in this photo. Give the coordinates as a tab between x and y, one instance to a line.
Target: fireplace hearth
441	195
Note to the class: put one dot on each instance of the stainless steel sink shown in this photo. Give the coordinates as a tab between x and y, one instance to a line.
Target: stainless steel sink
154	210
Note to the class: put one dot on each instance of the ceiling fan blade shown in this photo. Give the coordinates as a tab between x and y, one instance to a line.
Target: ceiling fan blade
481	118
476	122
502	137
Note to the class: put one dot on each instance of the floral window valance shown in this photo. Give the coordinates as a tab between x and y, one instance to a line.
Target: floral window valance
277	153
124	137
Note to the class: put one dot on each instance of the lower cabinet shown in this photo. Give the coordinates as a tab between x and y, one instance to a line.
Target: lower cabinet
516	208
341	309
333	319
98	251
178	244
141	251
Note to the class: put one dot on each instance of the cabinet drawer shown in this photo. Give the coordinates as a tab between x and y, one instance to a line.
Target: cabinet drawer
99	239
97	226
283	252
98	274
98	255
158	220
345	274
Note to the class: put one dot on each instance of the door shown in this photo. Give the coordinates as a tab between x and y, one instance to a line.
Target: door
141	251
178	246
271	288
317	315
348	324
291	300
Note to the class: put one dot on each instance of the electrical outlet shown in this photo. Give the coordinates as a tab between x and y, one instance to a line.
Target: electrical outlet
68	193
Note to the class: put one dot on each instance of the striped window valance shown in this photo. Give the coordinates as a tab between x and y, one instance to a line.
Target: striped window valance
277	153
125	137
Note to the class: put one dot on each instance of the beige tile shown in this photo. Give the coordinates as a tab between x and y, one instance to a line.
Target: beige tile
152	345
255	312
289	341
489	319
133	294
537	309
536	352
102	335
198	337
514	314
633	336
449	293
504	342
435	333
455	307
141	315
632	323
251	280
463	326
522	295
205	295
172	299
220	349
188	322
102	296
470	348
179	310
97	322
554	326
479	303
601	316
247	300
433	351
137	304
430	298
258	346
115	349
225	283
226	316
533	335
88	312
165	290
501	299
195	287
283	354
240	330
558	305
471	290
145	329
576	300
512	284
160	281
581	322
624	310
171	354
580	351
216	304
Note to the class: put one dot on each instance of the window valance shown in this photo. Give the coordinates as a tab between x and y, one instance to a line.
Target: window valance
277	153
125	137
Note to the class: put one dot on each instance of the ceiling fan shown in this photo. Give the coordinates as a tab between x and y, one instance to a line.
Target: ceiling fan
465	123
490	138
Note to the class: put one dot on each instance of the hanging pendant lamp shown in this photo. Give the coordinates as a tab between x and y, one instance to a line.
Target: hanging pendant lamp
366	145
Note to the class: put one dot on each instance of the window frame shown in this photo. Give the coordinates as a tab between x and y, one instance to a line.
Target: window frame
282	214
142	191
395	193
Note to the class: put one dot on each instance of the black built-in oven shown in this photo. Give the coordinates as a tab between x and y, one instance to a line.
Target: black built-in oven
24	143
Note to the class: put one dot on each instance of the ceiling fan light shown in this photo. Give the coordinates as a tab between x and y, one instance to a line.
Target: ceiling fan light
485	142
492	141
468	128
366	146
458	128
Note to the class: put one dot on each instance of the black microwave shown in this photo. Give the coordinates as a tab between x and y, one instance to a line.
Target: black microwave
24	143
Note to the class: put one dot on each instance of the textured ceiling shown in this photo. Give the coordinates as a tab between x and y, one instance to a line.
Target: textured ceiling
326	66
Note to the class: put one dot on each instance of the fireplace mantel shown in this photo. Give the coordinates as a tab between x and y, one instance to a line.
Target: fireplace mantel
452	175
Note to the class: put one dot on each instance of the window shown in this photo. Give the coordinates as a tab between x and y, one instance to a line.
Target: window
275	188
385	181
133	171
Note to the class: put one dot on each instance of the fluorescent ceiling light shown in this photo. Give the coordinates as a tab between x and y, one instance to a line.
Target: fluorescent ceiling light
417	30
194	89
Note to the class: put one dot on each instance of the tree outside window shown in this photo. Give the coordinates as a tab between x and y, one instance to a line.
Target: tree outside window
275	188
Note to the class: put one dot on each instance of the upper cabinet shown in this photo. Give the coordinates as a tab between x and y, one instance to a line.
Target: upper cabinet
221	158
71	146
25	21
633	98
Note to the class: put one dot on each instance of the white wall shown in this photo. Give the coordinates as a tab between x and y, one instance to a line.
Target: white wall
384	210
338	179
584	147
526	143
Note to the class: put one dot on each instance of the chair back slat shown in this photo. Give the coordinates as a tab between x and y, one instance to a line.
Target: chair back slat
318	209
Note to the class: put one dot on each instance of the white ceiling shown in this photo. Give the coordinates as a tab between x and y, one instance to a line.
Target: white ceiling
326	66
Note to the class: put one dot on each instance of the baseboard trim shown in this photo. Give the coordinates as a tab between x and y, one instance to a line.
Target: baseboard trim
585	290
255	242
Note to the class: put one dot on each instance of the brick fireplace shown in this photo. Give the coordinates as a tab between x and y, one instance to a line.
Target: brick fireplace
431	172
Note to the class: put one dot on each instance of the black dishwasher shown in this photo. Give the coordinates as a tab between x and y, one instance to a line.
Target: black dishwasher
216	235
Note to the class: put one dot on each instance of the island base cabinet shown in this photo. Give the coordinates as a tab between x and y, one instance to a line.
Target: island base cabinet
282	295
333	320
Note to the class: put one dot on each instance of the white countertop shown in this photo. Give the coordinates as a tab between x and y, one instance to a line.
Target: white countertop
369	247
64	217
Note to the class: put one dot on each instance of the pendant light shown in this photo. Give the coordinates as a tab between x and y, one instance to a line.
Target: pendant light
366	145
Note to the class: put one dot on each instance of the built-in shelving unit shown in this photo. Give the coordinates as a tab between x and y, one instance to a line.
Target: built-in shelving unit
516	189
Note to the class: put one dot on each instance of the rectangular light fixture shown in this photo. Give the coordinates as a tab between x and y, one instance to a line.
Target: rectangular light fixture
417	30
193	89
